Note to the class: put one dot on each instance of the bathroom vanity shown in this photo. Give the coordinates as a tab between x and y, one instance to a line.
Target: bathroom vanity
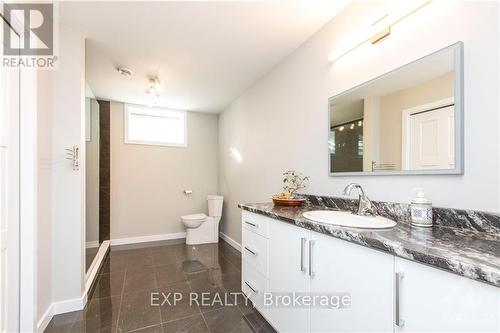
399	280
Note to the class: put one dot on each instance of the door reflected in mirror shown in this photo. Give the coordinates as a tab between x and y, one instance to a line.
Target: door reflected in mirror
406	121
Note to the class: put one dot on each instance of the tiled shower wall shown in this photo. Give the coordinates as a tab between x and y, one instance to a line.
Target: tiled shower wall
104	172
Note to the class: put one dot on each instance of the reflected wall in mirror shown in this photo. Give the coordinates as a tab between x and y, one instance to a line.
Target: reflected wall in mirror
407	121
92	149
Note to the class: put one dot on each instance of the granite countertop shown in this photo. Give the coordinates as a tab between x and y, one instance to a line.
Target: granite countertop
469	253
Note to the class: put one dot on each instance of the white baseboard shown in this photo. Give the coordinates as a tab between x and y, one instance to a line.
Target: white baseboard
230	241
69	305
96	264
60	307
89	245
151	238
45	320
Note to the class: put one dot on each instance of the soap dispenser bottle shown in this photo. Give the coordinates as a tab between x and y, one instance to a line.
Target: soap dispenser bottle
421	210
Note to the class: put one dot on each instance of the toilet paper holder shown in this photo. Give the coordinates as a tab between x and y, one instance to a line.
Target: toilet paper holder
188	192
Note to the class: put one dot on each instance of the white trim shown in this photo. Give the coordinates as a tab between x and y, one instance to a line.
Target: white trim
56	308
69	305
150	238
44	320
230	241
405	127
28	201
88	120
152	110
92	244
96	264
88	91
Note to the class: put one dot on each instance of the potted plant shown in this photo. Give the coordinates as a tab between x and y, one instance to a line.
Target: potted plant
292	182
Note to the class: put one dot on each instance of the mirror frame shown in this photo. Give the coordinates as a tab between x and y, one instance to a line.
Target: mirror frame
458	88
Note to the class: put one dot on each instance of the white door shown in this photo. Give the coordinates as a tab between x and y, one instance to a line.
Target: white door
431	300
9	196
432	139
346	271
288	274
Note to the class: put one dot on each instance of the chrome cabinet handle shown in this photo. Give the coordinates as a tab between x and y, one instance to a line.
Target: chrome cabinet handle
251	288
311	256
398	276
302	247
251	251
252	224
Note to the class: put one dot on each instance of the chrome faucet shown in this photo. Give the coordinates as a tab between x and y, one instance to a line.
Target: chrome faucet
365	205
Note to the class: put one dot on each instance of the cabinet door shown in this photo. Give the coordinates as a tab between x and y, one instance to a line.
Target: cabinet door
287	275
341	268
431	300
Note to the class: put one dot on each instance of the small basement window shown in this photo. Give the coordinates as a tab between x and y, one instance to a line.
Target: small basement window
155	126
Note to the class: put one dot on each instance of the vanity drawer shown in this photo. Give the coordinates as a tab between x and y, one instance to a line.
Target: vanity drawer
254	285
255	222
255	251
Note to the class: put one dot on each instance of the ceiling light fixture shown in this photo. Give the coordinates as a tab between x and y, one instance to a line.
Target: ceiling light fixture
154	90
124	71
381	28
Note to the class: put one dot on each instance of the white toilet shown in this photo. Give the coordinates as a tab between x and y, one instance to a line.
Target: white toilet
202	229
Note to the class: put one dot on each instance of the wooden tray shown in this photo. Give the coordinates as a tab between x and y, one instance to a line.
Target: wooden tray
288	202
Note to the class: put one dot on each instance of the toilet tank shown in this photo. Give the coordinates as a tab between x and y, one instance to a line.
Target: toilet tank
215	205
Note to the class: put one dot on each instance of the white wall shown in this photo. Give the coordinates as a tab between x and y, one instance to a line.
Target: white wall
147	181
281	122
60	190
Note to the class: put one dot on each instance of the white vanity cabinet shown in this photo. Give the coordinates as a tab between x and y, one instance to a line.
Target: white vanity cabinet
431	300
387	293
366	275
306	262
288	273
255	258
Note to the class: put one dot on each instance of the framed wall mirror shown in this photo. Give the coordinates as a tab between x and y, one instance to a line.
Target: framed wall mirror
407	121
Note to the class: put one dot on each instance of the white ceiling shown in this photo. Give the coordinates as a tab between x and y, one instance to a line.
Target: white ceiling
204	53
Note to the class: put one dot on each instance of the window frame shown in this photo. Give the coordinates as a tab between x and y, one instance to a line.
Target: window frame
126	114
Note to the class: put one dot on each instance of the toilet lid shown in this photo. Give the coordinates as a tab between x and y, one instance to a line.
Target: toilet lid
194	217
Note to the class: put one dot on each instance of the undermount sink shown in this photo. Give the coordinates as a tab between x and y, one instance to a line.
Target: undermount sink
346	219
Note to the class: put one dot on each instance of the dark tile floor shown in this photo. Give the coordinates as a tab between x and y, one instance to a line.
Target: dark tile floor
122	295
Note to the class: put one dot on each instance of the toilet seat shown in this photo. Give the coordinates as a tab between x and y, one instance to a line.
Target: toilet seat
200	216
193	220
